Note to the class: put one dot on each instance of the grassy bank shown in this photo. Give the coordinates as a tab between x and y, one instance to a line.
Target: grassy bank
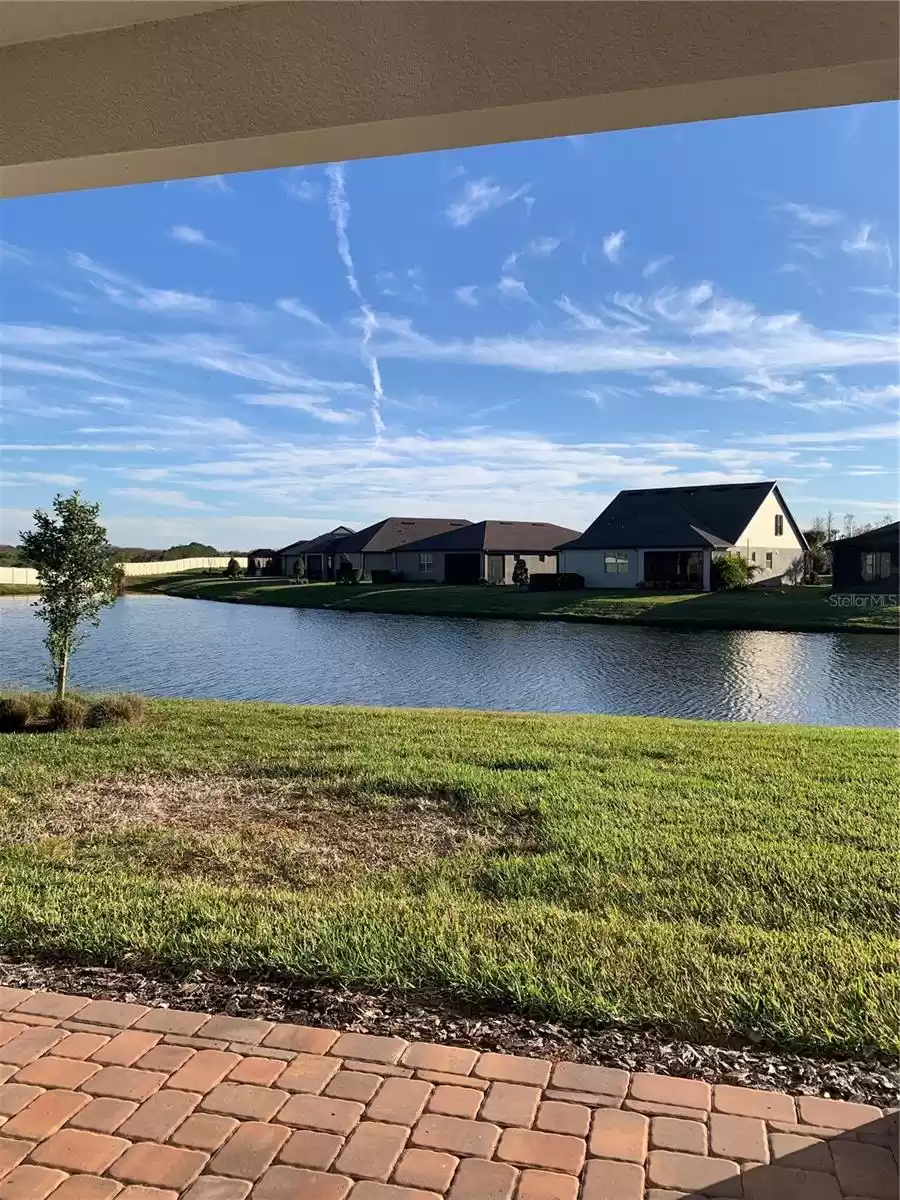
710	878
790	608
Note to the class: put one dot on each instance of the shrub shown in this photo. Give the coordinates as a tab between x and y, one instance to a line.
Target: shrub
116	710
566	581
233	569
346	572
730	572
68	712
520	573
299	569
15	713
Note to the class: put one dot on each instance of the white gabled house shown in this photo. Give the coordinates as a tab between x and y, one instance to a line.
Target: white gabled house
668	537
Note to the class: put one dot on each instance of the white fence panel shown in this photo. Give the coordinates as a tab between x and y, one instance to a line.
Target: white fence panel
28	576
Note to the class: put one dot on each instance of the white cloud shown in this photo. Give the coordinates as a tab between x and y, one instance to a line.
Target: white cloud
315	406
161	496
129	293
492	409
808	214
680	387
403	285
467	294
480	196
300	311
612	245
656	264
862	242
689	328
212	183
180	426
339	211
11	253
22	478
886	431
302	189
511	288
34	366
541	247
189	236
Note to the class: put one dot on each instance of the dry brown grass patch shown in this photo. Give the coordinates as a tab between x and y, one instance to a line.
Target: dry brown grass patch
316	827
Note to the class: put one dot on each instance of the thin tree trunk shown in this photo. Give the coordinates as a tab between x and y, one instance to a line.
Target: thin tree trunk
61	675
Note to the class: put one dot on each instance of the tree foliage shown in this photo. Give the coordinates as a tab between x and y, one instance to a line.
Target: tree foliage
76	575
233	569
520	573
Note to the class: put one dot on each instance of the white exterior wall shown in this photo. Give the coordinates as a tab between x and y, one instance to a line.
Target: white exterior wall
532	562
29	577
589	563
759	536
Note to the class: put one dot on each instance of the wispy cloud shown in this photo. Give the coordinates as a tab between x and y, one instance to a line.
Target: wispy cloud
339	211
295	309
405	285
862	242
173	499
129	293
189	236
13	254
541	247
511	288
656	264
467	294
315	406
612	245
808	214
480	196
213	183
301	188
21	478
493	409
680	387
888	430
35	366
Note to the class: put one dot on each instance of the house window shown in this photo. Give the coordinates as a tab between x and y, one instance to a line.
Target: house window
779	524
542	558
426	564
768	558
615	564
875	566
753	556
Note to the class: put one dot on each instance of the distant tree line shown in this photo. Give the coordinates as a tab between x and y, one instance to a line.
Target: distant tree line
14	556
831	527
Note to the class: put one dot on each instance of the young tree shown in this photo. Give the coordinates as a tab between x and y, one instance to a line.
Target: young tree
233	569
299	569
520	573
76	575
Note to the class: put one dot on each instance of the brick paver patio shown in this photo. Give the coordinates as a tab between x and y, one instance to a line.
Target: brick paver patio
100	1099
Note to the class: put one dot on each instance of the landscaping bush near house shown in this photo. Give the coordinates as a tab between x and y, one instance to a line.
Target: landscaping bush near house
551	581
116	710
730	572
386	576
68	713
233	570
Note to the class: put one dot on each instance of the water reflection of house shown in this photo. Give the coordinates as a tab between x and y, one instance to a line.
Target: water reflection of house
869	562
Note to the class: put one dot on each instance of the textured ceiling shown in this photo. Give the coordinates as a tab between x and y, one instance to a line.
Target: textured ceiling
21	21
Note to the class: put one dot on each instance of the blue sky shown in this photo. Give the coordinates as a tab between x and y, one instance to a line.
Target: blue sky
509	331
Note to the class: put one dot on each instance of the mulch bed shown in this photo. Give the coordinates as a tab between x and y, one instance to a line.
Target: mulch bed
870	1078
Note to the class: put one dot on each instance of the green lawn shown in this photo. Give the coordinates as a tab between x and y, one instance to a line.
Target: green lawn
708	878
789	608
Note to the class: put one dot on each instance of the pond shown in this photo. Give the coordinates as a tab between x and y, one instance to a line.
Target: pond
166	646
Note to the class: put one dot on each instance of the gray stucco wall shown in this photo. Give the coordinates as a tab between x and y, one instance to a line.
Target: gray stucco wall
532	562
589	563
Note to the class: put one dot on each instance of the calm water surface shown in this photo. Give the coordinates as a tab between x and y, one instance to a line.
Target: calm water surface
166	646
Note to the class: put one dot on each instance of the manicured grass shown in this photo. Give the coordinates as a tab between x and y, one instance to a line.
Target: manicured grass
18	589
789	608
709	878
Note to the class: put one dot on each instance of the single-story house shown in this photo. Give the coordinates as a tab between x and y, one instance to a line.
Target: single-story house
483	552
869	562
318	554
378	546
668	537
263	562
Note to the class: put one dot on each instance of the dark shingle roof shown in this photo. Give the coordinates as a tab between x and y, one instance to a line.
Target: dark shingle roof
320	544
394	532
884	535
715	515
498	537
